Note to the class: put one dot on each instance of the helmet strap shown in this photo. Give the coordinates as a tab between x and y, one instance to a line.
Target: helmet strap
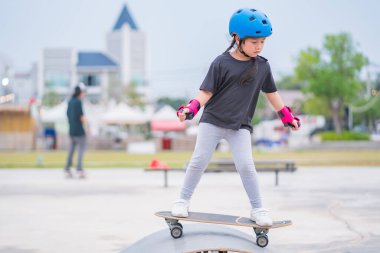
240	48
242	51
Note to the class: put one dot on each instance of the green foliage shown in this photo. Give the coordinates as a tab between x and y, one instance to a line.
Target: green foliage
173	102
333	71
259	112
332	74
115	90
289	83
370	112
316	106
105	159
133	96
344	136
51	99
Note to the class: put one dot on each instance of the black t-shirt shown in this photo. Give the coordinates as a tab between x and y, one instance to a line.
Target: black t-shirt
74	113
232	105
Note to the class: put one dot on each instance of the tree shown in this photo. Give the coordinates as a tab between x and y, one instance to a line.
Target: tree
332	74
173	102
260	111
367	111
50	99
288	82
134	97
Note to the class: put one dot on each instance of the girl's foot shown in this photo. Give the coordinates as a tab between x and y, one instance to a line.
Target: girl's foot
81	174
181	208
68	174
261	217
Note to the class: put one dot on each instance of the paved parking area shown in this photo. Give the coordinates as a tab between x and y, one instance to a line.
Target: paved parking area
333	209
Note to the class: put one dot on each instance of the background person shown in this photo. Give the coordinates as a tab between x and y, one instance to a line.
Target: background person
77	132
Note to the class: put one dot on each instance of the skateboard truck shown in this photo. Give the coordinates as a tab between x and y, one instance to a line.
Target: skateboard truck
261	236
175	228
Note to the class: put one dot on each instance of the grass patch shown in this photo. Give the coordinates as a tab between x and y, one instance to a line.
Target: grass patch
344	136
176	159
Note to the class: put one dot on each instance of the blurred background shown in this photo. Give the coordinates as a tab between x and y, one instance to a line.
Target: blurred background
141	59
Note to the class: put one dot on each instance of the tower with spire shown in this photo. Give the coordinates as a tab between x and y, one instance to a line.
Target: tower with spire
122	62
126	44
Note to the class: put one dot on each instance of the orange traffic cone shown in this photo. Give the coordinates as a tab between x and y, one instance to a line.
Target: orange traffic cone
157	164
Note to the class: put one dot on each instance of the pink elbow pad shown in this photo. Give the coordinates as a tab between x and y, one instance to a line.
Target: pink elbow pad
193	107
287	117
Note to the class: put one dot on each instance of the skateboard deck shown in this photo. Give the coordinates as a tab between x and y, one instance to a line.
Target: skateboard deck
176	228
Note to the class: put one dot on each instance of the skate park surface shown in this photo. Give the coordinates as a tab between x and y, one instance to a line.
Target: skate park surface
333	209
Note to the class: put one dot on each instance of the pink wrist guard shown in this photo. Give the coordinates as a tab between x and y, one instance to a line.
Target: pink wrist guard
287	117
193	107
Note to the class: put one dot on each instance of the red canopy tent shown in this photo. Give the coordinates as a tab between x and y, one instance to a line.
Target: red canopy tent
167	125
166	120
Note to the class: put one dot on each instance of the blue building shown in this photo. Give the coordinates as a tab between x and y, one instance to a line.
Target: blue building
105	73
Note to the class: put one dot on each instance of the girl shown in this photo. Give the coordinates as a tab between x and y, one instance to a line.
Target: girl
229	92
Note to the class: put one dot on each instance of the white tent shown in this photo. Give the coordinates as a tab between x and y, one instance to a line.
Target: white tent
54	114
58	112
165	113
57	115
92	114
123	114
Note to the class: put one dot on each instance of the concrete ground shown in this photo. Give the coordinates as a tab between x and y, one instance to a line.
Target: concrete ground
332	209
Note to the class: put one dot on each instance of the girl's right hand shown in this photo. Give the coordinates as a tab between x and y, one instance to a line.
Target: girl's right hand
295	125
182	114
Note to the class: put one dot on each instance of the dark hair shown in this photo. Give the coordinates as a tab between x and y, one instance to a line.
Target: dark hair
233	42
77	92
251	71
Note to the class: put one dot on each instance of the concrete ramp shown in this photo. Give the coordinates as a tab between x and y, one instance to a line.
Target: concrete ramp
198	238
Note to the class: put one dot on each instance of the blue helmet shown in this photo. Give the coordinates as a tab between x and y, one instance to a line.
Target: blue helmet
250	23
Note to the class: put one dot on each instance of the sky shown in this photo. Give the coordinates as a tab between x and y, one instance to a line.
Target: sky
183	36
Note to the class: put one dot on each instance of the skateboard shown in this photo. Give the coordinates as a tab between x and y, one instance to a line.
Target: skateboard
176	228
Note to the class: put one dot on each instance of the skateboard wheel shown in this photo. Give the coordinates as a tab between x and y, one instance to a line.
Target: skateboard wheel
176	232
179	224
262	240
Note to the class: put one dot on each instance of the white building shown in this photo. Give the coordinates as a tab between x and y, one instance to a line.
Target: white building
104	73
57	71
127	45
24	86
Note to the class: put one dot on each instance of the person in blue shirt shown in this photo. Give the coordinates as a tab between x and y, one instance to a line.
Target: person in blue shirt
77	132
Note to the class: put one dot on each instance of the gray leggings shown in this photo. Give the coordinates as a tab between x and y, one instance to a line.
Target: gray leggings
81	142
240	141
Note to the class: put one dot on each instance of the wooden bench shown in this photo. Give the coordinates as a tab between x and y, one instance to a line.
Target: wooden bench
229	166
275	166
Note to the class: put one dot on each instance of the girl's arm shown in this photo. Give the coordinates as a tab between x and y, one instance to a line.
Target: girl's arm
275	100
284	111
202	97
